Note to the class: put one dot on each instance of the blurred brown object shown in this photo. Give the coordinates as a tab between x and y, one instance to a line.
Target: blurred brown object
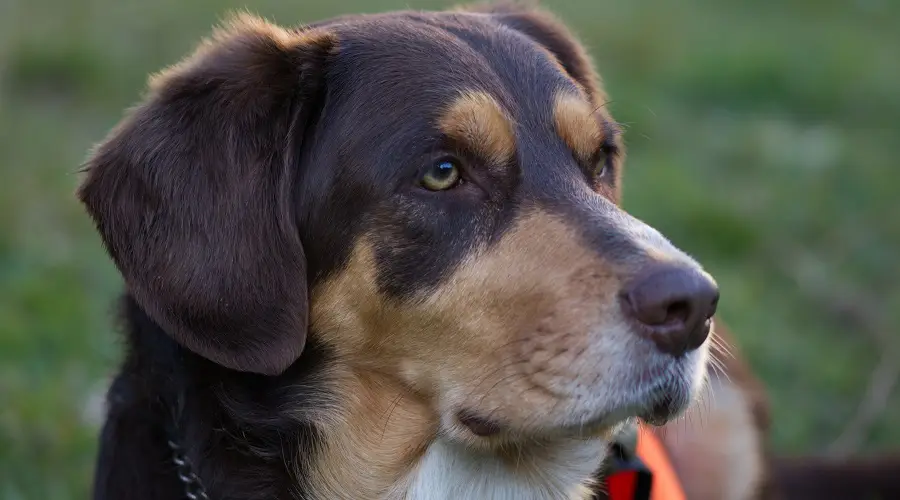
720	448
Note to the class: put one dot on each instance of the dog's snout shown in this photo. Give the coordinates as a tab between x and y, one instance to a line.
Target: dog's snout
673	305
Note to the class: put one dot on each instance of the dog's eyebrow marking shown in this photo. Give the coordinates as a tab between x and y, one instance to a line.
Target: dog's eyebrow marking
577	125
476	120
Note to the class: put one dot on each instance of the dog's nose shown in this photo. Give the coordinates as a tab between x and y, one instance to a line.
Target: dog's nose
673	305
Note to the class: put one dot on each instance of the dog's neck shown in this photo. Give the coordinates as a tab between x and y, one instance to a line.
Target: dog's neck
383	443
558	470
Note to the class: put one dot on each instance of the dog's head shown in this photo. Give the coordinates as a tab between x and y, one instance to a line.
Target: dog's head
432	197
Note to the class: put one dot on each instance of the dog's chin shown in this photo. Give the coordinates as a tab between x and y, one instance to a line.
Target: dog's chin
655	404
486	433
657	409
478	433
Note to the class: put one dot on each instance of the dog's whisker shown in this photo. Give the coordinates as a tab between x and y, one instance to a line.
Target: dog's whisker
721	344
718	367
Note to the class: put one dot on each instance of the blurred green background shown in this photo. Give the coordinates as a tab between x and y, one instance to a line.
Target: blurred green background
763	136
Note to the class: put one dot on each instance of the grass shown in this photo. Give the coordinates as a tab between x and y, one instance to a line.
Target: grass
763	138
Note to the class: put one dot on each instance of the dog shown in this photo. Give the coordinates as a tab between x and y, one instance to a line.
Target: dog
383	257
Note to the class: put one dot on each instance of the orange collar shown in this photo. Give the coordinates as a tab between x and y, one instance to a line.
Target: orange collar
647	475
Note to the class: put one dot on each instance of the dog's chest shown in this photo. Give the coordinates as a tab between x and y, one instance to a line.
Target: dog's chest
547	472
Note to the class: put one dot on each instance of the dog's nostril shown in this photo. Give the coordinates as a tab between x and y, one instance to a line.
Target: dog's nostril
677	311
672	304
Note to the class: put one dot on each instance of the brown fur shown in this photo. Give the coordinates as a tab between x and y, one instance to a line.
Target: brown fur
261	199
476	120
576	124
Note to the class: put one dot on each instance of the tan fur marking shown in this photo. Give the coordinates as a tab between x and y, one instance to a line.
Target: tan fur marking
476	120
375	439
577	125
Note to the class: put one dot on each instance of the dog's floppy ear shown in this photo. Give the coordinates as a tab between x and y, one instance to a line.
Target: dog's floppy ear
191	194
545	29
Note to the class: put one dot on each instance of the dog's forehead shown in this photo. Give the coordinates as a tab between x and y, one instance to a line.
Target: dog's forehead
425	60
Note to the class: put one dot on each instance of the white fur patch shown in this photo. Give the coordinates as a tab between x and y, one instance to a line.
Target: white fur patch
449	471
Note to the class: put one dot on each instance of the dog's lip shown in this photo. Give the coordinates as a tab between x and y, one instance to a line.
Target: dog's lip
659	412
656	413
597	426
478	425
655	404
655	407
489	428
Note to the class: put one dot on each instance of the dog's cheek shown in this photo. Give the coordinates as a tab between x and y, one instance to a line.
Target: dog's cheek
521	315
418	243
343	306
367	327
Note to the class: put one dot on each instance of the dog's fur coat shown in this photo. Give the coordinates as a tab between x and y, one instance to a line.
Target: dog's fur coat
308	322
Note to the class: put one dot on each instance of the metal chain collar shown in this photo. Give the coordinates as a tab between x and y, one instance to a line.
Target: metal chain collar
193	487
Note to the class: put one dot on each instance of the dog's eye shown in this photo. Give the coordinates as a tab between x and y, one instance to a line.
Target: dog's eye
602	163
441	176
